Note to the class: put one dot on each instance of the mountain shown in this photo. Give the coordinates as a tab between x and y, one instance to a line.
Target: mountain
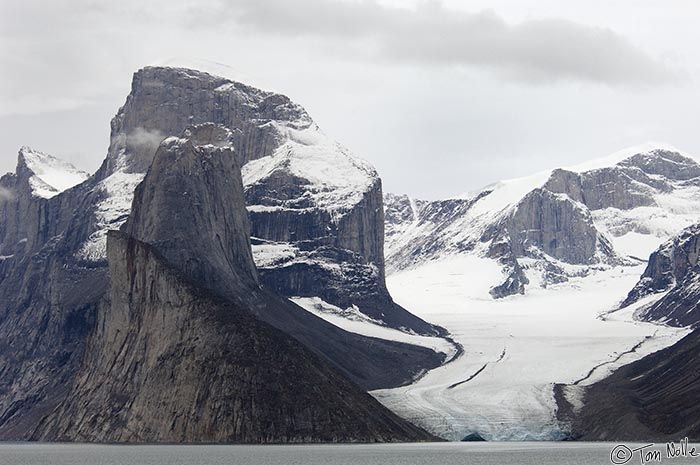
528	276
556	224
177	355
316	210
672	275
55	274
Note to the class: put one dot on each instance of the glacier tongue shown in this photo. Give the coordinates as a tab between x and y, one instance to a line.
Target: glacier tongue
515	349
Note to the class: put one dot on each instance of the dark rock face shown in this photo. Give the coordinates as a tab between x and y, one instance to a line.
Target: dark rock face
339	261
189	209
48	298
672	267
473	437
653	399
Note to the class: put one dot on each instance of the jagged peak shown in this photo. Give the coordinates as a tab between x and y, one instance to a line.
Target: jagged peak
49	175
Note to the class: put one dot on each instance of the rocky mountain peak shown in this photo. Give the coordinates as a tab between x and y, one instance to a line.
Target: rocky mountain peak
173	299
164	100
189	206
46	174
673	273
664	162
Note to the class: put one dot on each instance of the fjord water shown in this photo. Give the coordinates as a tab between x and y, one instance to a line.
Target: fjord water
503	453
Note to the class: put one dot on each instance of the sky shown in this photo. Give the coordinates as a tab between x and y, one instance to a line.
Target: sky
443	97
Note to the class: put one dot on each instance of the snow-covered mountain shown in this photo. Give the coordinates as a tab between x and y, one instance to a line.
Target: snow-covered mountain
528	275
257	231
50	175
672	276
315	208
556	224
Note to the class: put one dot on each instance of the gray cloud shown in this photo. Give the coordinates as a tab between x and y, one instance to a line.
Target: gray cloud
533	51
5	194
145	140
430	86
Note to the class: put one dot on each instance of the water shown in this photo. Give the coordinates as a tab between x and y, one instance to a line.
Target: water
532	453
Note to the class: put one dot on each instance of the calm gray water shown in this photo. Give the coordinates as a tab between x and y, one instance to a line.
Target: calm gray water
533	453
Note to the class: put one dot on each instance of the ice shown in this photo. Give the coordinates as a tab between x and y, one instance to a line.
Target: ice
270	254
525	344
354	321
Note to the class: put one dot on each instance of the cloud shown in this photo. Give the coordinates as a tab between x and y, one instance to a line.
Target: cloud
144	140
542	50
6	195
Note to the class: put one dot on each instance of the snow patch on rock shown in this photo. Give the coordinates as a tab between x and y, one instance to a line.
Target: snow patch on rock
352	320
51	175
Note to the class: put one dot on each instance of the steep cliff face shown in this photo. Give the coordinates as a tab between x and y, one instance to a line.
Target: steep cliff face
189	208
553	225
653	399
177	355
184	209
47	298
673	270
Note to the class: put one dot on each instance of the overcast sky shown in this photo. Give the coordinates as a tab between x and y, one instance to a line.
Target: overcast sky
442	97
